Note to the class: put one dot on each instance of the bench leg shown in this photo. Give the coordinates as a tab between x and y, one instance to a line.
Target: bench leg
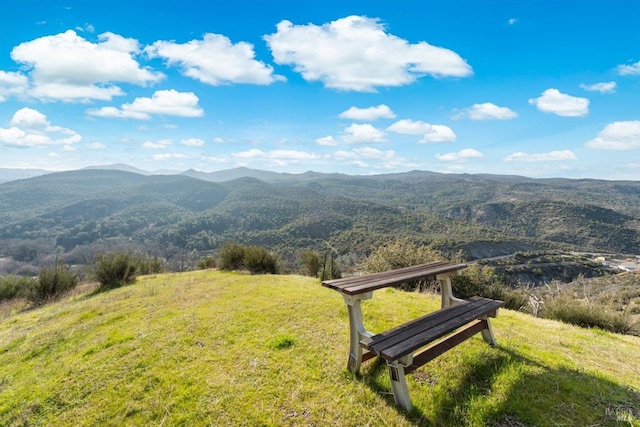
399	381
356	331
445	290
487	333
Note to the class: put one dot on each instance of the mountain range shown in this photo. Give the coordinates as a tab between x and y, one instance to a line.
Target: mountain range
87	210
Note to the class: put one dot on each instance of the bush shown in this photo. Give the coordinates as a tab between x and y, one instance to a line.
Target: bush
310	263
399	254
149	265
477	280
51	283
206	263
14	287
231	256
587	315
405	253
259	261
114	270
329	269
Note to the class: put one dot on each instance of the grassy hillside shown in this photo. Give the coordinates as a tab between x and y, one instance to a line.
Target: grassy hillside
211	348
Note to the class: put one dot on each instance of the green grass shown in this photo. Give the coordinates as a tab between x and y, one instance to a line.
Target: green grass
211	348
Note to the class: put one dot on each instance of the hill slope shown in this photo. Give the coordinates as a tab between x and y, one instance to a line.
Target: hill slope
179	217
207	348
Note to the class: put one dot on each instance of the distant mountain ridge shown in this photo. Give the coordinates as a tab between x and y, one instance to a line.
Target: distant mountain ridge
484	215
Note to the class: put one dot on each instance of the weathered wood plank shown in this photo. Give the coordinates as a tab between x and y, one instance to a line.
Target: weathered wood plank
372	282
410	344
404	339
445	345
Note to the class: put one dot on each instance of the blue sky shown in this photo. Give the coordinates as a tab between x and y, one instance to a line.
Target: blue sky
535	88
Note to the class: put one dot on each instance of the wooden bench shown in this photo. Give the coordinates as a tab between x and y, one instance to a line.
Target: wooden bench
456	321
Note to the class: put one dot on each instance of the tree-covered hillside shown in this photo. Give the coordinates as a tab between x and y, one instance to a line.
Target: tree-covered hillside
81	212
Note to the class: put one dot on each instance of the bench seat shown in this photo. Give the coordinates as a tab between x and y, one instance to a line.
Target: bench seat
404	339
398	345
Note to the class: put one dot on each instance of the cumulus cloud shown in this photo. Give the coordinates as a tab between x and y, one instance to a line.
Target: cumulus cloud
460	156
276	157
158	145
486	111
95	146
513	21
70	68
357	53
215	60
604	87
629	70
30	128
12	84
553	156
617	136
169	156
361	133
365	157
192	142
327	141
430	133
164	102
556	102
372	113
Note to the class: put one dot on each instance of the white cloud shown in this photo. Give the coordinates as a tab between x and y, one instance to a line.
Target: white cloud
554	101
365	157
430	133
158	145
192	142
218	140
372	113
169	156
95	146
486	111
214	60
553	156
12	84
604	87
327	141
279	158
356	53
166	102
460	156
365	153
617	136
249	154
513	21
30	128
360	133
629	70
67	67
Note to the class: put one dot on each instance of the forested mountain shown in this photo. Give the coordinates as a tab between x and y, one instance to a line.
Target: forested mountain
80	212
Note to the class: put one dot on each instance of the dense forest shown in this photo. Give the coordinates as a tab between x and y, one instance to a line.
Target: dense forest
75	215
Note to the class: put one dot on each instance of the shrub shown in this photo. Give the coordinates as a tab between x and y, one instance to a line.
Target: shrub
310	263
329	269
477	280
231	256
404	253
14	287
51	283
114	270
587	315
149	265
206	263
259	261
399	254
